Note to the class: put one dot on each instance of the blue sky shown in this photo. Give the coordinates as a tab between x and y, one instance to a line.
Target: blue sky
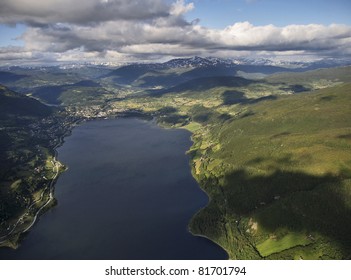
221	13
128	30
10	35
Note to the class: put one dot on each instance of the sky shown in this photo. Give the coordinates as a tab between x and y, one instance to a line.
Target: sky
119	31
221	13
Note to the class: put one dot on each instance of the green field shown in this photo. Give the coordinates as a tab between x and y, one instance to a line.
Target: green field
273	245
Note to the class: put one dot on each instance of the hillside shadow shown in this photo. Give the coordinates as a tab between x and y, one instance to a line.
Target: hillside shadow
205	115
203	84
5	162
345	136
327	98
233	97
86	83
161	79
49	94
295	88
8	77
293	200
237	97
52	94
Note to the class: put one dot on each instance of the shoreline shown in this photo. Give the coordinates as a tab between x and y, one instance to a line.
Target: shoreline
12	239
7	242
202	189
202	208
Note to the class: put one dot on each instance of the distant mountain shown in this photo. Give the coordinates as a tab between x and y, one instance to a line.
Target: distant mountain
130	73
24	79
203	84
152	75
173	72
298	66
338	74
258	65
197	61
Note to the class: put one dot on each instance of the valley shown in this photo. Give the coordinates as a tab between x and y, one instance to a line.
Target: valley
271	146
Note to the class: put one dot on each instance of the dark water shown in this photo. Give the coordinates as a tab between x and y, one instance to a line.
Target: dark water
128	194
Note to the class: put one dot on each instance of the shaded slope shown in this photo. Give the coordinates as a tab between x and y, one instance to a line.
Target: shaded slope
12	103
7	77
203	84
71	94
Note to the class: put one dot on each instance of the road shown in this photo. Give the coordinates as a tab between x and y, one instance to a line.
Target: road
56	167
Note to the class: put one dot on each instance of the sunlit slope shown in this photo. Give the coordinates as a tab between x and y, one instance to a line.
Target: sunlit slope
279	178
317	77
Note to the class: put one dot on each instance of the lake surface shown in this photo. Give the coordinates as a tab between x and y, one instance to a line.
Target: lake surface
128	194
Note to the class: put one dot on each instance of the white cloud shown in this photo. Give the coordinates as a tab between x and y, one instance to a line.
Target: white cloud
244	35
122	29
180	8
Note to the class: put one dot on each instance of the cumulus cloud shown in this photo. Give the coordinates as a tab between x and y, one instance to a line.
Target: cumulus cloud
244	35
240	36
122	29
179	7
